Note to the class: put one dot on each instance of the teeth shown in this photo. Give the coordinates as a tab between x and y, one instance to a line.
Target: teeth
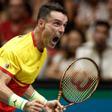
53	42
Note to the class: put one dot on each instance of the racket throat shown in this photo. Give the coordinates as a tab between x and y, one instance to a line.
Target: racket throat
59	95
66	106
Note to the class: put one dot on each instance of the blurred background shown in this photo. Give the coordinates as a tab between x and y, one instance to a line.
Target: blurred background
88	34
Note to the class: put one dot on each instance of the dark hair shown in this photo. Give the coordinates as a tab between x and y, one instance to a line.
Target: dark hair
45	10
102	23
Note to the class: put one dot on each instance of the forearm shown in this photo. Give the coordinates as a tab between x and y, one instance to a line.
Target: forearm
5	93
7	96
32	94
29	92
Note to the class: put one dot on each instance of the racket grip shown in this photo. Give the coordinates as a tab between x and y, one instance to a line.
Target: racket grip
68	105
59	95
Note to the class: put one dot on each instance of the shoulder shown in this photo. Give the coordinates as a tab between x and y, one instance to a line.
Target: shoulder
18	43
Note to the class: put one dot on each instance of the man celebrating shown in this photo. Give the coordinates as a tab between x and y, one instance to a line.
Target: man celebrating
22	58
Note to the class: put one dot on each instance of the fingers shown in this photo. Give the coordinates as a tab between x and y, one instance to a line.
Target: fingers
55	105
38	103
58	106
34	106
60	109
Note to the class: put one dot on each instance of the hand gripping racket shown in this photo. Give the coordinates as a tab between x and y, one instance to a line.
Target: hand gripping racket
79	81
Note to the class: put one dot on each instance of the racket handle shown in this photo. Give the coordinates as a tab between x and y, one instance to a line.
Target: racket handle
68	105
59	95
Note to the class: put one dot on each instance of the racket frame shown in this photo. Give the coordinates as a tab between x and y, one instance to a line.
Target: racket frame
60	94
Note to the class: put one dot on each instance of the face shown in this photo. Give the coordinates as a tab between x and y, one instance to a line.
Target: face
16	9
100	35
54	28
75	40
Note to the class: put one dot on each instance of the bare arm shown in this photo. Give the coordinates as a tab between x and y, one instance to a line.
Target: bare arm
32	94
5	92
29	92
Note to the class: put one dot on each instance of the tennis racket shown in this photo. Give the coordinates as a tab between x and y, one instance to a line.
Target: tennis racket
79	81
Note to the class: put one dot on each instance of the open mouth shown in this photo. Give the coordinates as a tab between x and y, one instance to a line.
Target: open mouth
55	39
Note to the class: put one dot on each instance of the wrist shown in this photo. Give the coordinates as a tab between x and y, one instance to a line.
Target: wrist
39	97
17	101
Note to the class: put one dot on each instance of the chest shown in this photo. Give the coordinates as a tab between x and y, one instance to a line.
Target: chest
31	63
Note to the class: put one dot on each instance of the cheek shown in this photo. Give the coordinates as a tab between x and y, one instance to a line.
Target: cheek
45	37
49	31
52	29
46	40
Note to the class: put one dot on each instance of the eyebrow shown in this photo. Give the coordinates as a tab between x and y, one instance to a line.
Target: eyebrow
59	21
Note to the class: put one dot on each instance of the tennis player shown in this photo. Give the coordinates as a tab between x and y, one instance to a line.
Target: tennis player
22	58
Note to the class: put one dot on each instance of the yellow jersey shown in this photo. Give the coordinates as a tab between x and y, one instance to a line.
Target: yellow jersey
20	58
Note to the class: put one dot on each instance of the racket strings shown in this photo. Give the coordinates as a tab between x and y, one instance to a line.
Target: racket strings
85	94
67	91
74	95
70	89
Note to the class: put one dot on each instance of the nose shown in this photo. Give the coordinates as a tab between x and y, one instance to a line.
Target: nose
61	30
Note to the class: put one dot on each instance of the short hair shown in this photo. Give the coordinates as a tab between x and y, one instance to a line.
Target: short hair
45	9
102	23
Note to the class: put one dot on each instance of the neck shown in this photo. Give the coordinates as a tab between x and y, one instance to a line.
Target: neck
37	38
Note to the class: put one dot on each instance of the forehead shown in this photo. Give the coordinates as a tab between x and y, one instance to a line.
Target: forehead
55	15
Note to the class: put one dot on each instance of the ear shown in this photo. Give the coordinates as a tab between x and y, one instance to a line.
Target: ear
41	23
